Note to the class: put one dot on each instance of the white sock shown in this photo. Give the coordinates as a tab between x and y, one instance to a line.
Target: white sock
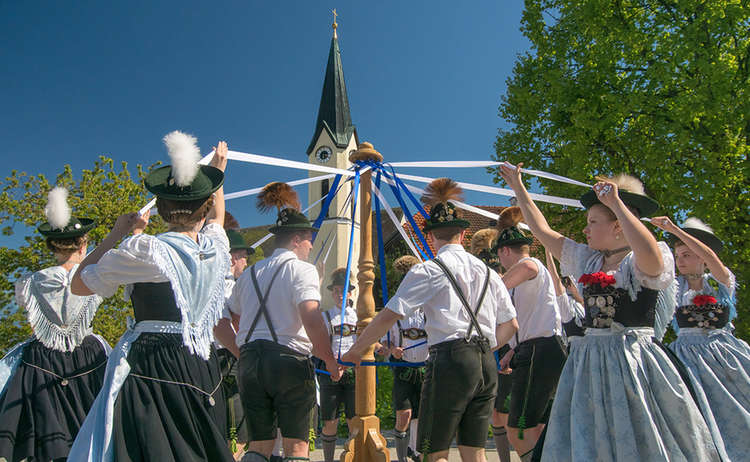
413	435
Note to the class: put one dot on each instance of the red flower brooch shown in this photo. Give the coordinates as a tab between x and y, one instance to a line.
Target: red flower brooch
603	279
702	300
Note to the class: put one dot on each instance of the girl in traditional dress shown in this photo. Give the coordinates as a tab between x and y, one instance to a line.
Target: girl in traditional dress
718	362
49	382
620	395
161	399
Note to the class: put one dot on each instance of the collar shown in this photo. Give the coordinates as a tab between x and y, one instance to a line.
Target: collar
282	251
451	248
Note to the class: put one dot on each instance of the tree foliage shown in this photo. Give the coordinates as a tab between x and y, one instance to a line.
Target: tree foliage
655	88
102	193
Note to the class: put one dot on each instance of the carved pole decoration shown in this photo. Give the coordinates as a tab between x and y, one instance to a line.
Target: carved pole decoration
366	444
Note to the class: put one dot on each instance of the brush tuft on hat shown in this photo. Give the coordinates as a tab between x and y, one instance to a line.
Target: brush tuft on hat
697	223
510	216
404	263
184	155
230	222
442	190
625	182
279	195
57	210
483	240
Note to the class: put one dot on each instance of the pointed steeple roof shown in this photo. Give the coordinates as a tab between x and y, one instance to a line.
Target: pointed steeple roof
333	113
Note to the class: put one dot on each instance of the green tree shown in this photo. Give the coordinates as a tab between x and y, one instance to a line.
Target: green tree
103	193
654	88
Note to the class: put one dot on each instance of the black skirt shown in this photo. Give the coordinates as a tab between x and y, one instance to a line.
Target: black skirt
159	421
39	416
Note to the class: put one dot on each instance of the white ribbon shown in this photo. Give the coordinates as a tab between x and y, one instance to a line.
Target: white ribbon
481	163
253	191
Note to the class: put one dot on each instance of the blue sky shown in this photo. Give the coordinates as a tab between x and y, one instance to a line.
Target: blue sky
85	78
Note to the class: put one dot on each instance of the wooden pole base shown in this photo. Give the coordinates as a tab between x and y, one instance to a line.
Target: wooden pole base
366	444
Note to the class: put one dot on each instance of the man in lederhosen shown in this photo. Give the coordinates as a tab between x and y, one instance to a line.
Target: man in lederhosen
482	245
278	300
342	335
468	314
538	354
408	345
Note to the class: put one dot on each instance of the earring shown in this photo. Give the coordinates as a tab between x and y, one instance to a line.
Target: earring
617	237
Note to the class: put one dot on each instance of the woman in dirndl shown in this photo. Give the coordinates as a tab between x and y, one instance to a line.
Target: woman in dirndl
622	396
161	399
717	361
49	382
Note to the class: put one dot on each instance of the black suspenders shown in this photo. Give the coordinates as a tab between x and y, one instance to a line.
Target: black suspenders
472	314
262	308
330	327
400	334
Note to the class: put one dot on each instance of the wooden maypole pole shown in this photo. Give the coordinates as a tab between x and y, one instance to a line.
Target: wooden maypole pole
365	444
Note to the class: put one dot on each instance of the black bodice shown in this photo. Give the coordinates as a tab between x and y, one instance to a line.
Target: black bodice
604	305
154	301
711	316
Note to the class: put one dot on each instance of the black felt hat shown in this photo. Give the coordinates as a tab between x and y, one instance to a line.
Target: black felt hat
444	215
507	227
338	278
185	179
701	231
237	241
290	219
60	223
630	190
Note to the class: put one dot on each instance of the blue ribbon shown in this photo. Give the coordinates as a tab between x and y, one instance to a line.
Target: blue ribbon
355	192
327	203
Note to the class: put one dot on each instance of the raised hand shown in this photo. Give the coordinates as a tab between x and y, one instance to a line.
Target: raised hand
511	174
607	193
219	160
664	223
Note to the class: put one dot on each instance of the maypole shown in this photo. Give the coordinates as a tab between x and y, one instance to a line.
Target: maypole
365	444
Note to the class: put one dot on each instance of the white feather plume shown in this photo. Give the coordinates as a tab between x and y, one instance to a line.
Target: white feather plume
697	223
57	209
184	154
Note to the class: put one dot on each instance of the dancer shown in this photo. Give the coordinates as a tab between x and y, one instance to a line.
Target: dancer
469	313
334	395
278	300
537	355
161	398
49	382
620	396
482	244
408	340
719	363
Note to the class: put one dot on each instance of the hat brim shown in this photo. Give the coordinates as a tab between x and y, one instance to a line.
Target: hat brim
87	224
249	248
206	182
351	286
290	228
446	224
713	242
644	204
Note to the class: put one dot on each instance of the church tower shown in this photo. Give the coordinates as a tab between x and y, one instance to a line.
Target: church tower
334	139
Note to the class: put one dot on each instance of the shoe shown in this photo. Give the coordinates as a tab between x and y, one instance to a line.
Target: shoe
413	455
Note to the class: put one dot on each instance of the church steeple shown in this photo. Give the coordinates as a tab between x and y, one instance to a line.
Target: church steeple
333	114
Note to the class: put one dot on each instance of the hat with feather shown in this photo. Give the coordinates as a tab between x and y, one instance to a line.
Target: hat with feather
185	179
443	213
482	243
338	278
701	231
631	192
507	227
60	222
282	197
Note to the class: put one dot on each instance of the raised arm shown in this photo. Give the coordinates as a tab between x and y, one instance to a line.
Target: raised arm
704	252
219	160
533	217
123	226
559	288
641	240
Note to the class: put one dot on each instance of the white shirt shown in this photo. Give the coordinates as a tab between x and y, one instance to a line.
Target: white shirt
426	286
350	317
569	308
297	282
536	303
413	355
